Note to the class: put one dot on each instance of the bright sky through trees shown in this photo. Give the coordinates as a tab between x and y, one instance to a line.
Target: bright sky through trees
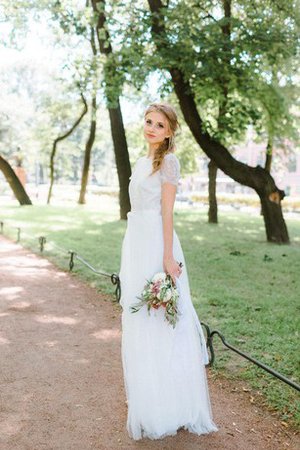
38	48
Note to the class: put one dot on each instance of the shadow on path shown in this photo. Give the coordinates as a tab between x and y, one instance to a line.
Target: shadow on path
61	373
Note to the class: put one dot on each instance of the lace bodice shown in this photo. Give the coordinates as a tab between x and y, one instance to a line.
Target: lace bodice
145	189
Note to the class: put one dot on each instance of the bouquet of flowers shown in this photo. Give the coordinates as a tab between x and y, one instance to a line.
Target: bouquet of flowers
160	291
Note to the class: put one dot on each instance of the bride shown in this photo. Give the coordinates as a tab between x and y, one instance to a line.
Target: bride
163	367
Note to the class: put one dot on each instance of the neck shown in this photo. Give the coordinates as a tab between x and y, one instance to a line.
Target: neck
151	150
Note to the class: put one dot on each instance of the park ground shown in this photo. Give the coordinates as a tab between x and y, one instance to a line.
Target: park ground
61	373
241	285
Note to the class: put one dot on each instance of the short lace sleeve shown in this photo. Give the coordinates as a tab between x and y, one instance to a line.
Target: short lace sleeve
170	169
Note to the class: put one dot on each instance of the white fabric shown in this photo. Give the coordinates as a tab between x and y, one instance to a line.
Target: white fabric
170	169
164	367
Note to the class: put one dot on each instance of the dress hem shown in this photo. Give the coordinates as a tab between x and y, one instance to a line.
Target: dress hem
187	427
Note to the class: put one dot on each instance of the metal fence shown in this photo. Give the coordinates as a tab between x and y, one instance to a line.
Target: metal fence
41	242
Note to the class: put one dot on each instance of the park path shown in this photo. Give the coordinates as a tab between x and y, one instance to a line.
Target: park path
61	376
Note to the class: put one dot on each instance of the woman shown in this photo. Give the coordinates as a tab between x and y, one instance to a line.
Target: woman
163	367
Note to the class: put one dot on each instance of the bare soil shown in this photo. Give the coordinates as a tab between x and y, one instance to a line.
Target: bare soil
61	379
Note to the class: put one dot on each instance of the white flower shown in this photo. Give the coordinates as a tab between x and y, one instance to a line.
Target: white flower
159	276
168	295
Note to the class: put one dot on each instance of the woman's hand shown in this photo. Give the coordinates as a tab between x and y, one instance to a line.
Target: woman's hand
172	267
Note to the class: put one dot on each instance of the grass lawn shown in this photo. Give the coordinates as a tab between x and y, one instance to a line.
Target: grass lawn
241	285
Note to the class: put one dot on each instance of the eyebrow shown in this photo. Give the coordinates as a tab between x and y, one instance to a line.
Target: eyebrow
160	123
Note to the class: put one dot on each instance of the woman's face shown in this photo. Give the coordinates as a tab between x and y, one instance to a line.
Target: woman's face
156	128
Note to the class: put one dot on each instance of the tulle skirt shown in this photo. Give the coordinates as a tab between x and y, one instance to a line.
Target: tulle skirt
163	367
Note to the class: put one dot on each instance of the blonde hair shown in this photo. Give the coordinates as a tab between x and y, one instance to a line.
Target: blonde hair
168	145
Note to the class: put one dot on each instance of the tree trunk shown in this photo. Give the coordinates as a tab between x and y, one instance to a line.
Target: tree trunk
268	162
269	153
14	182
122	158
87	153
271	209
213	205
115	115
92	134
212	168
255	177
61	138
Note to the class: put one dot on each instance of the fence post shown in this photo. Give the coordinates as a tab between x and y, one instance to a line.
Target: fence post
71	262
115	279
42	241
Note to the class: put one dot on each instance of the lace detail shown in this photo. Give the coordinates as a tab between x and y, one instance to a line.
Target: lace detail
170	169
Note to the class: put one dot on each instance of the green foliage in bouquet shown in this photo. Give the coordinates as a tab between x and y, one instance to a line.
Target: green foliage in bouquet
160	291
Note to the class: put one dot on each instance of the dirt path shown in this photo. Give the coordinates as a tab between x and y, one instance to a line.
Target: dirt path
61	376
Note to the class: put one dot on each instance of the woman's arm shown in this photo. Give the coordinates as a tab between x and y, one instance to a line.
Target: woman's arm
167	205
170	174
168	193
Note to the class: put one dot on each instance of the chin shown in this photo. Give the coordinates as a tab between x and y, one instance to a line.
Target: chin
151	140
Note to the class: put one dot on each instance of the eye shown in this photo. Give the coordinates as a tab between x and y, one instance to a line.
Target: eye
160	125
148	121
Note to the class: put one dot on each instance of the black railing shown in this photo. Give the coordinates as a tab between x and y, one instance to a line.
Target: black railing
116	281
209	343
42	240
114	278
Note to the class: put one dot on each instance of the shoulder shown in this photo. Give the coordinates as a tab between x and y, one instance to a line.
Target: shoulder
170	169
170	159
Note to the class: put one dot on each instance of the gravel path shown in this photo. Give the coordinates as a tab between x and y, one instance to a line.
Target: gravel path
61	373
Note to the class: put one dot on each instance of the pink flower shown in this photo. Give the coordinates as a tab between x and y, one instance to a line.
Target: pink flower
155	288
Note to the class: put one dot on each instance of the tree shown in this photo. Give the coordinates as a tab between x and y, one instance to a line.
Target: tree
14	182
61	138
112	91
92	132
255	177
194	59
223	102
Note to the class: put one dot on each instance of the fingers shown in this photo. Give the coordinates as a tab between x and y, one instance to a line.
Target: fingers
177	272
173	276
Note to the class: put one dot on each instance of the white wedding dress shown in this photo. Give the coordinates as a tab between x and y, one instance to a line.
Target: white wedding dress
164	367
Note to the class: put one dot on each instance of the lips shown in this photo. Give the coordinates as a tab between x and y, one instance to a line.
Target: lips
150	135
